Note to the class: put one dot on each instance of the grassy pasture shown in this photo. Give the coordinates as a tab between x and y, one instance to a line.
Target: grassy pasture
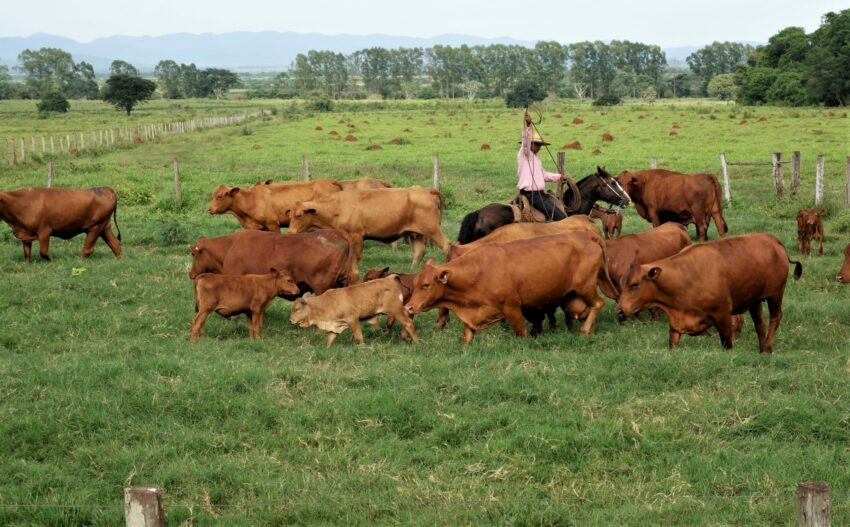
100	387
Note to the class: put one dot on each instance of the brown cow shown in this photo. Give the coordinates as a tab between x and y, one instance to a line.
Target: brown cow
263	206
704	285
507	281
809	227
662	195
230	295
612	221
317	261
363	183
338	309
380	214
39	213
843	275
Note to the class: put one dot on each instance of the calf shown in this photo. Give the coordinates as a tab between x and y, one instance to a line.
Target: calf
405	279
705	285
338	309
810	227
39	213
843	275
612	221
230	295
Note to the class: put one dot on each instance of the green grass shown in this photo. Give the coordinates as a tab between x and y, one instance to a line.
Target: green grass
100	387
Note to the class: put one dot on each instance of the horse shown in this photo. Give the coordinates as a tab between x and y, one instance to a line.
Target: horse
597	186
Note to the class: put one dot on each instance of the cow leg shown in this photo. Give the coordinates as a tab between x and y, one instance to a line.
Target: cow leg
443	317
390	322
596	304
774	307
436	235
44	245
653	217
357	330
674	338
553	320
514	318
702	231
331	338
111	241
468	335
258	319
799	244
726	330
820	245
407	324
198	324
417	245
27	250
91	239
357	243
758	322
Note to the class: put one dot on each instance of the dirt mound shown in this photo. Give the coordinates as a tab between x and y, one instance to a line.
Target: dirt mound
578	120
744	121
596	151
73	151
485	146
762	119
640	116
256	146
674	133
407	130
395	141
375	147
365	122
318	128
351	125
676	125
565	125
558	116
575	145
333	132
606	137
341	121
350	137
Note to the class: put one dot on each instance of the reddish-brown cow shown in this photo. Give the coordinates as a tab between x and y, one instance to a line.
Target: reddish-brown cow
612	221
317	261
379	214
506	281
230	295
809	227
39	213
843	275
662	195
705	285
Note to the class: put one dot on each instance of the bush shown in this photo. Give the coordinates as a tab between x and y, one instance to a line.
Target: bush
318	101
523	94
171	232
53	102
428	93
607	100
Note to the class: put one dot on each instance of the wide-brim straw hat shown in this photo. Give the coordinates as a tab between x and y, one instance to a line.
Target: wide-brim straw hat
535	138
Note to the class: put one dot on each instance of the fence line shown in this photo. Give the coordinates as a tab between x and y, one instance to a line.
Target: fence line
71	143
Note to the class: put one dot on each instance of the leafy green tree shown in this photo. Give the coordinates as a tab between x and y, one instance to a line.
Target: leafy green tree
788	88
304	78
6	89
788	47
524	93
45	70
218	82
53	102
168	76
119	67
717	58
756	82
549	65
126	91
722	86
827	63
83	83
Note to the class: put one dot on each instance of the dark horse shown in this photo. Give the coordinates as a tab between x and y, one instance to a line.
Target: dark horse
598	186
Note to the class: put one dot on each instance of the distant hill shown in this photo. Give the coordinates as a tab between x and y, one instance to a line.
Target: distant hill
240	51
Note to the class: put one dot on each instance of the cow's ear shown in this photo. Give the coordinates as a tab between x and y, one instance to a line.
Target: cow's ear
385	271
288	214
268	182
430	261
654	273
822	212
233	191
273	271
311	210
443	278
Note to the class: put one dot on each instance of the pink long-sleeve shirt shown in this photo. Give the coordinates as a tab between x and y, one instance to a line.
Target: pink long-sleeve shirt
529	173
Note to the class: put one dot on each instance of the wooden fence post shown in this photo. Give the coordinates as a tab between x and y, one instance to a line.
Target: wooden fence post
23	151
178	195
43	147
32	146
437	171
52	147
727	192
847	184
14	159
813	504
778	181
653	163
795	171
143	507
305	167
819	181
50	174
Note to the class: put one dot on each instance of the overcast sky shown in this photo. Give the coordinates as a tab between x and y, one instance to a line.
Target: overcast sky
666	23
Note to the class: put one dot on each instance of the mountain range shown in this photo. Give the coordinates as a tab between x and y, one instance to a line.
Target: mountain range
240	51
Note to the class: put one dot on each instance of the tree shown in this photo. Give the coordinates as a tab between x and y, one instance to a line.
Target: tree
168	76
6	89
126	91
717	58
119	67
722	86
524	93
45	70
83	83
827	64
217	81
756	82
53	102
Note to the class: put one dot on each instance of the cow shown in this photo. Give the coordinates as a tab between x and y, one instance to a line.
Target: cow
39	213
843	275
405	279
338	309
612	221
705	285
663	195
317	260
230	295
809	227
507	281
263	206
379	214
364	183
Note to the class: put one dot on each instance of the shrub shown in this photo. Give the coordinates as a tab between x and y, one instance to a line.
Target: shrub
170	232
607	100
318	101
523	94
53	102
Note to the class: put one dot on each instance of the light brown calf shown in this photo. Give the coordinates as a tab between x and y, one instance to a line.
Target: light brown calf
338	309
230	295
612	221
809	227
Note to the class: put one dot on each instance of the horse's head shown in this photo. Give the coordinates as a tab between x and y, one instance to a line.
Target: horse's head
609	190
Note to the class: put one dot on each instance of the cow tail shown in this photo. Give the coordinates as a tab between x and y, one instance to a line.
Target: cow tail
717	210
115	218
349	274
467	228
441	200
798	268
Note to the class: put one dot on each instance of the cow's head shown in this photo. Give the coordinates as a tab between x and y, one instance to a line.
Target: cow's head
844	274
639	287
203	260
374	274
429	285
610	190
810	217
284	283
301	312
630	182
222	199
302	217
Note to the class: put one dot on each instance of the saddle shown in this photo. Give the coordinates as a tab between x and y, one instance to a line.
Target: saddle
525	212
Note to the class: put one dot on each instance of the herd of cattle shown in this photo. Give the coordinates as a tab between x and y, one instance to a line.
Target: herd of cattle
518	272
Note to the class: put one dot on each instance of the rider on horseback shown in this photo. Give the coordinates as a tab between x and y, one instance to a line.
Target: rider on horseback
530	175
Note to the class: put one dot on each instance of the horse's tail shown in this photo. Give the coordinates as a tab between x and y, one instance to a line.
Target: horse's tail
467	228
